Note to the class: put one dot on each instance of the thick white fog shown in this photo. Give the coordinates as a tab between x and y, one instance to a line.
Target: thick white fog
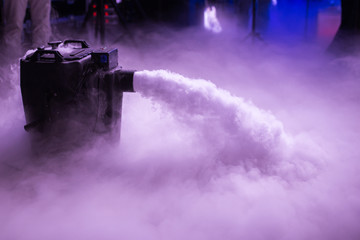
265	146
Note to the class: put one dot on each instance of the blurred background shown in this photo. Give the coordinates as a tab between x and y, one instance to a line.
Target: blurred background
275	19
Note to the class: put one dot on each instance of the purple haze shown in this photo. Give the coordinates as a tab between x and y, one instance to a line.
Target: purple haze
275	159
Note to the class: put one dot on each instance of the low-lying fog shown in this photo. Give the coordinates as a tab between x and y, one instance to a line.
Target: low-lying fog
274	157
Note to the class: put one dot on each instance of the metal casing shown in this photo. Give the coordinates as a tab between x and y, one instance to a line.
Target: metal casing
67	95
48	86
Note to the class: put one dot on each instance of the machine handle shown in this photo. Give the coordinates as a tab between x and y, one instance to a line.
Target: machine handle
54	44
40	52
82	42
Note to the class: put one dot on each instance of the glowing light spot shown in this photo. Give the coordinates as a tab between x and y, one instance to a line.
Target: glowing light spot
211	22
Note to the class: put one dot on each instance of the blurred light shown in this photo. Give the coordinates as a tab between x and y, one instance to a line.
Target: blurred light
274	2
106	6
94	14
211	22
94	6
106	14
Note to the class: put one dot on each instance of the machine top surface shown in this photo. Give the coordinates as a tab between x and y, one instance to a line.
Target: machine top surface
59	51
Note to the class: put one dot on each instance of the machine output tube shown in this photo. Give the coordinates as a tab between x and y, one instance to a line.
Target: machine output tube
113	85
124	80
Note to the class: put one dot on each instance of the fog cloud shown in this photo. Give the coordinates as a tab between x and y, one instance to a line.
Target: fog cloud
179	171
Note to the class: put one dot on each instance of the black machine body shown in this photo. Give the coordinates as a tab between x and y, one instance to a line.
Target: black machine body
71	91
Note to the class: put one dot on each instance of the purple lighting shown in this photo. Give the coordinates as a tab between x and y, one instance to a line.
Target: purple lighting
223	139
211	22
